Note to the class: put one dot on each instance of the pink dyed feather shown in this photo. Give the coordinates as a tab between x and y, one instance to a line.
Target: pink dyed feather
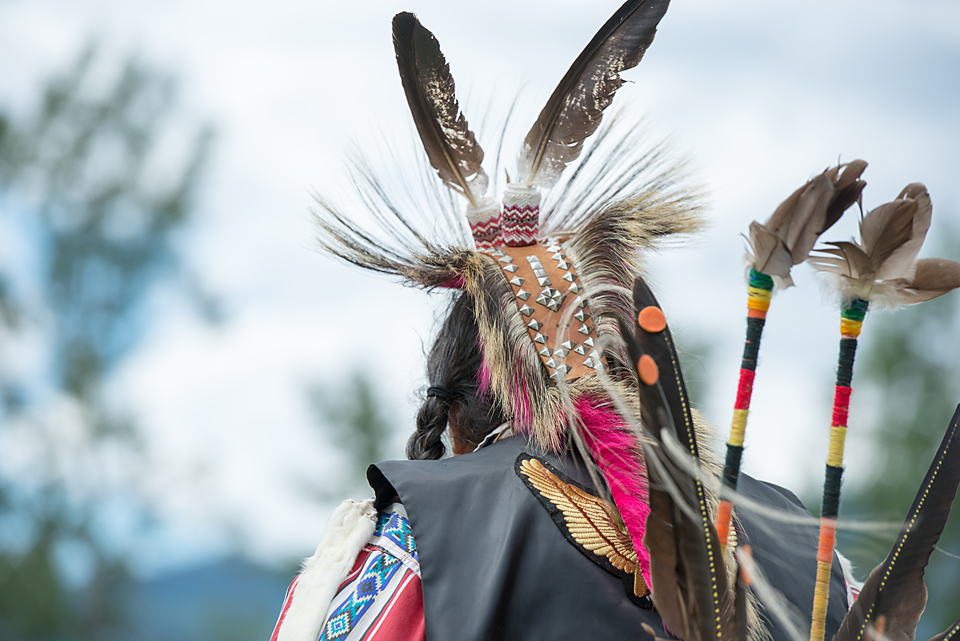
615	450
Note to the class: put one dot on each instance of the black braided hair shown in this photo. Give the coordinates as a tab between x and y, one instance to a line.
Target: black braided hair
453	366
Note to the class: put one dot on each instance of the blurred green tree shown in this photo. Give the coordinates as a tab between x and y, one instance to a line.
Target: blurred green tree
94	185
909	376
354	416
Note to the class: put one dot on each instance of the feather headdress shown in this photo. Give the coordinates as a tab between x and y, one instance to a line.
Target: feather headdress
547	284
550	285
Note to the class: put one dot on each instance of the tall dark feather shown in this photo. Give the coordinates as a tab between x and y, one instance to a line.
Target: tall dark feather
895	589
575	108
690	588
450	144
951	633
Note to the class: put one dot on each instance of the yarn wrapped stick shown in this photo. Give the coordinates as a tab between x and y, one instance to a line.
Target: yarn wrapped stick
881	269
775	247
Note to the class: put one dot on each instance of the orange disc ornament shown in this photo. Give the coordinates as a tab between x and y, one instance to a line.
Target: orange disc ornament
651	319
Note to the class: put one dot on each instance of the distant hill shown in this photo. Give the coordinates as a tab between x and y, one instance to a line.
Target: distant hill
231	599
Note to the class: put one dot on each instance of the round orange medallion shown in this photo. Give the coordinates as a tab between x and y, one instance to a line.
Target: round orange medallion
652	319
648	370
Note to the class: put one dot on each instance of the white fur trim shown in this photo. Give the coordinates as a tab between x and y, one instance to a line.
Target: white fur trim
350	527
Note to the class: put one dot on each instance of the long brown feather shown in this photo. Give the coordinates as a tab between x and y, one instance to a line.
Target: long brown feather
450	144
576	106
689	582
895	588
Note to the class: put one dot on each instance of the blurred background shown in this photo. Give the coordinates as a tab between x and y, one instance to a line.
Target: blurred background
187	388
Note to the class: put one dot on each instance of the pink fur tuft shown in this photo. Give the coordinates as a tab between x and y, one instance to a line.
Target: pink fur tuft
524	408
616	452
484	376
454	282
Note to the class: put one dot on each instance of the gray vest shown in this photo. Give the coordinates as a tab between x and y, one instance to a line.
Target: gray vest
495	565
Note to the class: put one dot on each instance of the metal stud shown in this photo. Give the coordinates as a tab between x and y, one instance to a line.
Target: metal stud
540	338
585	330
533	260
526	310
557	376
506	259
569	277
498	253
568	345
573	289
560	353
588	342
589	362
516	280
580	349
581	315
551	298
544	281
545	351
523	294
558	255
552	363
554	247
535	325
563	264
510	268
563	369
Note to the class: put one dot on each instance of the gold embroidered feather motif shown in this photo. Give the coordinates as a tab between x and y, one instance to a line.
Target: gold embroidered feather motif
589	520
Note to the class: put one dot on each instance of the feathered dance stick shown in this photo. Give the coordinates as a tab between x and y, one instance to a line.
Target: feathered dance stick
574	112
894	593
689	582
775	247
883	267
450	144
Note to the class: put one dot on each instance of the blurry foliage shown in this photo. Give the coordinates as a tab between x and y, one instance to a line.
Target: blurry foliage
908	369
354	417
696	355
91	196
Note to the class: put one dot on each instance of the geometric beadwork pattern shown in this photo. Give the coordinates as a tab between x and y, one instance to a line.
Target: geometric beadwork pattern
390	543
374	578
485	227
395	528
546	285
520	217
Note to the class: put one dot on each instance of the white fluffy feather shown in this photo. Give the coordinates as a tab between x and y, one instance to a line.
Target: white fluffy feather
349	528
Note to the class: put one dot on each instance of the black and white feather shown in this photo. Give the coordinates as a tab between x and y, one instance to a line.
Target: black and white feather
575	108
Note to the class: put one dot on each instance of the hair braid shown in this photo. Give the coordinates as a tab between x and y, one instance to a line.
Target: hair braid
427	441
453	366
